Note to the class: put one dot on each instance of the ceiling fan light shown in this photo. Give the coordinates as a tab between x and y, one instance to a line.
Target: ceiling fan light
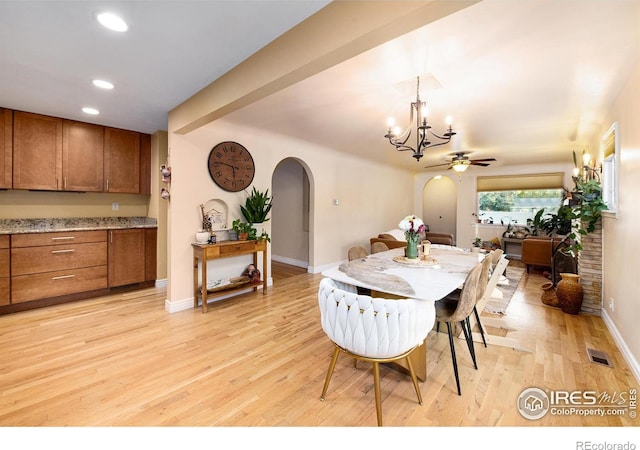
460	166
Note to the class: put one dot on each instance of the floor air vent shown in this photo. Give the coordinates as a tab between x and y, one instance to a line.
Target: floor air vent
598	357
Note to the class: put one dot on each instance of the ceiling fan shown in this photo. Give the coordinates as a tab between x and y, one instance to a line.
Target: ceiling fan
460	162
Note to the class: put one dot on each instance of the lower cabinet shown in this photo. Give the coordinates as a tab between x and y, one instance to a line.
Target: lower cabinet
46	265
53	267
4	270
132	256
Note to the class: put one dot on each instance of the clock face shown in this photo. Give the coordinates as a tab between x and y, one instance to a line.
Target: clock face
231	166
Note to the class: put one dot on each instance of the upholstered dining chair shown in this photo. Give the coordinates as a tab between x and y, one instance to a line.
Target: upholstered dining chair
482	287
372	329
458	310
378	247
357	252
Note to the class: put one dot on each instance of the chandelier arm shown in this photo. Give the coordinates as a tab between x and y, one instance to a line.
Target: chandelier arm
448	135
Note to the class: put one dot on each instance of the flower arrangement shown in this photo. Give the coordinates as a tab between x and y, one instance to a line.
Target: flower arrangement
412	227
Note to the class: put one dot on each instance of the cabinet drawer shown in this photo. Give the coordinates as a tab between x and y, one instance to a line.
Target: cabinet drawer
27	260
57	238
248	246
4	241
25	288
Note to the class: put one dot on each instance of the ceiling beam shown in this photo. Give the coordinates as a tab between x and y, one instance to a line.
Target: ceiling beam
336	33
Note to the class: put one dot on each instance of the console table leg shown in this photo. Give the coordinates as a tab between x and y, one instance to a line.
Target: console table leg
204	285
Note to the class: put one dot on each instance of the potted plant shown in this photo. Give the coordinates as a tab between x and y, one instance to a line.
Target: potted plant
257	206
245	230
477	242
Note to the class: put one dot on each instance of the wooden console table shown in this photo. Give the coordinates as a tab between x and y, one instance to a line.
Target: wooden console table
225	249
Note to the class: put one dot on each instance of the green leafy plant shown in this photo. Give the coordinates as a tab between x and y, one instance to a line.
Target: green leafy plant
244	228
553	223
257	206
477	242
587	212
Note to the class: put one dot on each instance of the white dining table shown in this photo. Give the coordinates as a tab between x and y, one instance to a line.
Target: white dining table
443	272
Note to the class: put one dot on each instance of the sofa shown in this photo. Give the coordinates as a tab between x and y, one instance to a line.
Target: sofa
395	238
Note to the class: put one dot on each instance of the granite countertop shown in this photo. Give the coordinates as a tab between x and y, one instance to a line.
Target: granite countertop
18	226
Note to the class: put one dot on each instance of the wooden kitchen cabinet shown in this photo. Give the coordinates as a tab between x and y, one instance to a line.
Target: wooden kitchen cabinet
132	256
4	270
49	265
6	148
37	152
121	161
82	157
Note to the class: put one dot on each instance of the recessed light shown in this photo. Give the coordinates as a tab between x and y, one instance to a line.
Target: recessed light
112	21
102	84
92	111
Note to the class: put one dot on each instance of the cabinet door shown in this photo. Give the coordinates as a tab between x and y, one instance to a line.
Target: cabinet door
150	253
121	161
6	148
4	270
37	152
145	164
82	158
126	257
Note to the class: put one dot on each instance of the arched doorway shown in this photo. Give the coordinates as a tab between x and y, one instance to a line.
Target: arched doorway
291	214
439	205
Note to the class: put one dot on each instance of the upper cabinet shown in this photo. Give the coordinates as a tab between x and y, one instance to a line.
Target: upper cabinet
6	148
121	161
82	157
56	154
37	152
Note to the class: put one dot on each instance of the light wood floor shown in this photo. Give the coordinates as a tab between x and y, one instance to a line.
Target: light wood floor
256	360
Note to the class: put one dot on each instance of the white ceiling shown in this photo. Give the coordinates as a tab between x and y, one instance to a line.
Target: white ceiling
525	81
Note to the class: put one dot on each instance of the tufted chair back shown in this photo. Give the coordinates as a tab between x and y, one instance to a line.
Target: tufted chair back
370	326
372	329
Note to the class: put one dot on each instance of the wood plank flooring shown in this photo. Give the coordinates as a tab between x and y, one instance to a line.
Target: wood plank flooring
255	360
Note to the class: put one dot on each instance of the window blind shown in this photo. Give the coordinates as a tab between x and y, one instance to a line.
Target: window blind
521	182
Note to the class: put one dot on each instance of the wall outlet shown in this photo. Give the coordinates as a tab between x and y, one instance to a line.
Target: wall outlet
115	206
611	304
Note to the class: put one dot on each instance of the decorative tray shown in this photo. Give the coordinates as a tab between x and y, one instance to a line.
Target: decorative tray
227	284
415	262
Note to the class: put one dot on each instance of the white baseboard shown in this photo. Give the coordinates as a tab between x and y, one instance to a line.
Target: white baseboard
290	261
161	283
622	345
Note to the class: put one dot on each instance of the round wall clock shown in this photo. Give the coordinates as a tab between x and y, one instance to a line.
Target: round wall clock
231	166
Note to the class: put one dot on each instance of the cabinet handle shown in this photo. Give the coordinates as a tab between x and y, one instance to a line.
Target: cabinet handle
63	251
107	185
65	183
62	277
64	238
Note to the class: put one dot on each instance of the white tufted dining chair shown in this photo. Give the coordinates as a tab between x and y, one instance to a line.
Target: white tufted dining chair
372	329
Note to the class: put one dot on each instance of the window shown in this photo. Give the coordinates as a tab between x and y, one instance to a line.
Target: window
517	198
610	154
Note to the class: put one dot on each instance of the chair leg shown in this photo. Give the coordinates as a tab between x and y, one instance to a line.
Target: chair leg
453	356
332	366
376	388
414	379
466	327
475	311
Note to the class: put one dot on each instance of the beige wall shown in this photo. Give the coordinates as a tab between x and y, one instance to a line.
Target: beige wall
18	204
157	205
367	204
621	239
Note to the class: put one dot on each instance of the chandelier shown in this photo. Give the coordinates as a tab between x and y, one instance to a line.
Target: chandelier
423	130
